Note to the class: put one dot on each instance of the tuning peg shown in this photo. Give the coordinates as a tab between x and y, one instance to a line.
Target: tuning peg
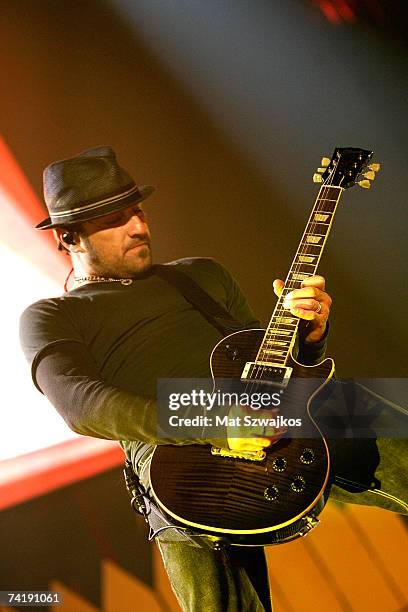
321	170
325	162
317	178
364	184
370	175
375	167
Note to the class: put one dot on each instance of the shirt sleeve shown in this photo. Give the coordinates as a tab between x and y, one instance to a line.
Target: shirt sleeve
311	353
64	370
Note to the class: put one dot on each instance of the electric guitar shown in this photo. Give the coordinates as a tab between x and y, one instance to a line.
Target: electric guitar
273	495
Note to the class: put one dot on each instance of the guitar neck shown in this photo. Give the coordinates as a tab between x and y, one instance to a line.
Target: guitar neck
281	331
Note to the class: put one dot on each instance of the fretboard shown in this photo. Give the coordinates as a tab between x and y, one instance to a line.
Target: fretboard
282	328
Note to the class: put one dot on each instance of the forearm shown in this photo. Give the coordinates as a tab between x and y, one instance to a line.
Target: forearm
94	408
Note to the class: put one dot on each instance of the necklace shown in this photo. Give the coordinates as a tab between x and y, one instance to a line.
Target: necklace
101	279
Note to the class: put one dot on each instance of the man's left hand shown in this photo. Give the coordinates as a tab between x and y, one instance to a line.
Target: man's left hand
311	303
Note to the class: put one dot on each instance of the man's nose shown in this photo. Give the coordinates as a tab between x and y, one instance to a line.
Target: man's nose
136	225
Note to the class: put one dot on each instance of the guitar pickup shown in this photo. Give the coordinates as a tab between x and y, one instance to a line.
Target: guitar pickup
267	374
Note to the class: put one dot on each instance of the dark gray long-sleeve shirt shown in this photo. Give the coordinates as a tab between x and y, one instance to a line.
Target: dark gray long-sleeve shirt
97	352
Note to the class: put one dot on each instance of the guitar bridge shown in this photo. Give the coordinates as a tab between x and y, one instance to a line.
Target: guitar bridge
258	455
267	374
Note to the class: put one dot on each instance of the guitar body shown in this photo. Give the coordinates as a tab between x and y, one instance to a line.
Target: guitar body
239	500
273	496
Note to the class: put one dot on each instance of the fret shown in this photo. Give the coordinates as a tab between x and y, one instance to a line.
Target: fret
330	188
310	249
285	290
330	192
277	342
291	283
279	332
300	275
272	340
325	206
286	320
272	332
279	361
317	228
273	352
302	267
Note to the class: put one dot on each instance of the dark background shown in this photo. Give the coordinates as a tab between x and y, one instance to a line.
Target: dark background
227	107
65	534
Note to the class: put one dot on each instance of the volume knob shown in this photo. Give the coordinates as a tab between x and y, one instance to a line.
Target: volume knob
298	484
307	456
271	493
279	464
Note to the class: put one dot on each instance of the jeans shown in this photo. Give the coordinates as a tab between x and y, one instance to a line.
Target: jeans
233	579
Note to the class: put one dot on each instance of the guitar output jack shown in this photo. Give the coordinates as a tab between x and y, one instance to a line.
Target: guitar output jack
271	493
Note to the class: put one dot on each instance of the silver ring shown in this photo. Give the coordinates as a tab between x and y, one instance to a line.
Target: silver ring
319	307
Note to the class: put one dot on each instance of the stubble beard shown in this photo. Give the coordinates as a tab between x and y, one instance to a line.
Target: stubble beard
127	267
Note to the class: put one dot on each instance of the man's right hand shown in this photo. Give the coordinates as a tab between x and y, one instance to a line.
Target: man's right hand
244	437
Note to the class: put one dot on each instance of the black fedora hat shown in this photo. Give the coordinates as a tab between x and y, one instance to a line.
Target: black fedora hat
86	186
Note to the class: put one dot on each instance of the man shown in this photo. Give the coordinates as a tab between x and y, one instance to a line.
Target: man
97	351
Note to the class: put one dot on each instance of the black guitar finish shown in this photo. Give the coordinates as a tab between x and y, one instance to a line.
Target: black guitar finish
241	500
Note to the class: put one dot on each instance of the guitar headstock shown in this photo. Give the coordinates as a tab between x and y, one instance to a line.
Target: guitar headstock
347	167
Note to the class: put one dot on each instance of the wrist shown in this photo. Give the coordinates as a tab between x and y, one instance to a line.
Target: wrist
316	335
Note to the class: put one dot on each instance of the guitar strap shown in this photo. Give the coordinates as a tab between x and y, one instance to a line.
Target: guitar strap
225	323
212	310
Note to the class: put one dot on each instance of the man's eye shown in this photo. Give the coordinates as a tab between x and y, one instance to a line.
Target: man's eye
113	220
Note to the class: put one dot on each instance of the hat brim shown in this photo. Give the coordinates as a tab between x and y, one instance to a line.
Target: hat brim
144	192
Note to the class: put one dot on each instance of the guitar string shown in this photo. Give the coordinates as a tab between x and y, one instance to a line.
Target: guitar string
290	283
311	226
304	249
273	331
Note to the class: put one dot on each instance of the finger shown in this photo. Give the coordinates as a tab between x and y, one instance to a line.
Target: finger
307	315
261	442
308	292
278	286
312	304
315	281
248	444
